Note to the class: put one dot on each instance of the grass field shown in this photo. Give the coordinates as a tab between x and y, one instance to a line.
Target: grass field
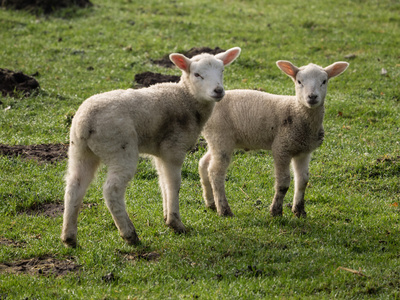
347	248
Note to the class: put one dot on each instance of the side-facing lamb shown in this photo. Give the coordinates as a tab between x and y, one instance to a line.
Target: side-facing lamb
290	126
163	121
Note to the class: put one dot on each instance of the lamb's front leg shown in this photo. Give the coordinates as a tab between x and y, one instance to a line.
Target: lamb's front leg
170	178
300	167
282	182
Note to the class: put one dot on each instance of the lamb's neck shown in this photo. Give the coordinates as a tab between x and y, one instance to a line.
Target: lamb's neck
315	116
203	108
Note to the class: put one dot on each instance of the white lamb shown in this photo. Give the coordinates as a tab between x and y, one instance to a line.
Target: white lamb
163	120
290	126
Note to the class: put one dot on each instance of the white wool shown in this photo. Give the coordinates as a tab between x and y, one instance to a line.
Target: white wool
290	126
163	121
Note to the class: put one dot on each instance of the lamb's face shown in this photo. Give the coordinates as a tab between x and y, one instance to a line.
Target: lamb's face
203	74
311	85
206	77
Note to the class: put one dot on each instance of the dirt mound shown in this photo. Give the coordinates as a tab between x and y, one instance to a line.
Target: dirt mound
51	210
166	62
16	82
44	152
48	209
133	256
40	266
46	6
11	243
195	51
149	78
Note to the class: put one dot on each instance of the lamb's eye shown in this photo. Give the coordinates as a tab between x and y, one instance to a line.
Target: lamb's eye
197	75
298	81
323	82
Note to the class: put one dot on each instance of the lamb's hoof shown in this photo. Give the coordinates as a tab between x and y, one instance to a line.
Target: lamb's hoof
226	212
70	242
300	213
132	240
177	226
211	206
276	212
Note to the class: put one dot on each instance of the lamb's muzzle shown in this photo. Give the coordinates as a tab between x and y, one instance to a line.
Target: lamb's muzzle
312	99
219	93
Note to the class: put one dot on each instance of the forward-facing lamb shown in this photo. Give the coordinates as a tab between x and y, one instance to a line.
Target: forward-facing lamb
163	120
290	126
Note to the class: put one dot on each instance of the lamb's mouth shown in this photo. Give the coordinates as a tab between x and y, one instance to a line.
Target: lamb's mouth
218	97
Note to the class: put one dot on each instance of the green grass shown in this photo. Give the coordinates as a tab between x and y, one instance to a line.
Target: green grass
353	217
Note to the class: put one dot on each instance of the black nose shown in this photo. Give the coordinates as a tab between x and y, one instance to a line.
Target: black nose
312	98
219	90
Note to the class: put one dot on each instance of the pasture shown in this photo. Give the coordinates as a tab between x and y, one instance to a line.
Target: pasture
348	247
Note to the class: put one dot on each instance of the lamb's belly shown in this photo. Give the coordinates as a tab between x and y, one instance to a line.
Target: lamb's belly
159	146
254	145
149	149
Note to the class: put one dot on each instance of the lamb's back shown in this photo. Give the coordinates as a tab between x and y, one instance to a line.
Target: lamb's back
251	118
151	116
138	108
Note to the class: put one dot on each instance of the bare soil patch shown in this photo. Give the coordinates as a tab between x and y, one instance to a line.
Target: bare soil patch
167	63
48	209
44	152
52	210
147	79
132	256
388	159
46	6
12	83
11	243
46	266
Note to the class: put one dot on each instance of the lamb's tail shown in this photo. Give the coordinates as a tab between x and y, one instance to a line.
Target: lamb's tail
82	162
79	136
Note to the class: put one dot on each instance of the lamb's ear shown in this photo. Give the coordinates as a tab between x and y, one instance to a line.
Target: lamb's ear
336	68
181	61
288	68
229	56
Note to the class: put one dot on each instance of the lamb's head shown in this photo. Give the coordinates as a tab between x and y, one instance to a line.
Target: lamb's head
311	81
203	74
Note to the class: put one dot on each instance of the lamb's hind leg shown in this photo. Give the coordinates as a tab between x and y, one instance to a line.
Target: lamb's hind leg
81	170
120	172
282	182
217	172
300	167
205	181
